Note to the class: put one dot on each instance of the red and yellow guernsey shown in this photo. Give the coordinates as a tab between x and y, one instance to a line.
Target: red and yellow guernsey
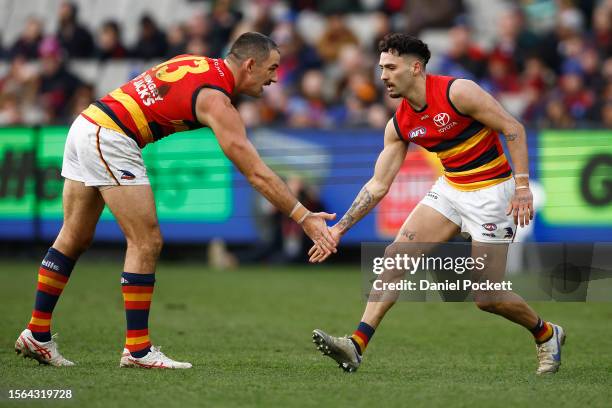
161	100
471	153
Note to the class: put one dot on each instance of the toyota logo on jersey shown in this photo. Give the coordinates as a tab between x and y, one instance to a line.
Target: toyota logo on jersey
441	119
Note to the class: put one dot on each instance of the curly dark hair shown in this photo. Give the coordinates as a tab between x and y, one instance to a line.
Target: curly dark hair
405	44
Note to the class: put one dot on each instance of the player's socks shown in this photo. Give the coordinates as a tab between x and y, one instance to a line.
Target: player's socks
361	337
137	293
53	275
542	332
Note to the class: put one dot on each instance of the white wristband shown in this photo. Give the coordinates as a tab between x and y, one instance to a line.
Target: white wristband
521	187
301	220
295	207
521	175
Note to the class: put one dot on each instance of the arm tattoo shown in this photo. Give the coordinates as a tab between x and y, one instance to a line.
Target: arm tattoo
511	137
411	235
360	207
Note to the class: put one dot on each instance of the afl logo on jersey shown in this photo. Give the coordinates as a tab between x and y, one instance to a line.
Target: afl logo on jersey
420	131
441	119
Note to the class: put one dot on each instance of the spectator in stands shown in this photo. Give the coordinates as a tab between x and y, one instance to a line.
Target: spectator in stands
198	26
336	35
560	79
83	96
590	64
272	108
297	56
223	19
29	40
19	88
422	14
309	109
378	116
601	37
464	59
176	39
10	110
197	46
606	115
514	42
382	26
574	95
151	41
601	109
73	37
557	116
57	84
262	20
358	95
109	44
250	113
570	24
501	77
536	80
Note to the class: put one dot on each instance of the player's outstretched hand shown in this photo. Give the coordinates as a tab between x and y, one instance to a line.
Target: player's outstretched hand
521	207
317	255
316	228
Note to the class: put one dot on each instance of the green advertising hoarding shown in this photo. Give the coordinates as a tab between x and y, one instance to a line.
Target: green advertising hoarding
17	184
190	175
575	169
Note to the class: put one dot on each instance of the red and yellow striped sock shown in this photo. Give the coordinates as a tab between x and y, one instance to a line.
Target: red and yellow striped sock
361	337
542	332
53	275
137	294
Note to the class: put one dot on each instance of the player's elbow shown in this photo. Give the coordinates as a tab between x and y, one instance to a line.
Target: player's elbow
514	130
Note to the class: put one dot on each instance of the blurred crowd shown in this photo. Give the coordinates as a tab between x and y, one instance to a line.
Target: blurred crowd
553	72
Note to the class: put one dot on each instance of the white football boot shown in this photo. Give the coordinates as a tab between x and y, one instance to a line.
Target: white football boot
549	353
43	352
341	349
154	359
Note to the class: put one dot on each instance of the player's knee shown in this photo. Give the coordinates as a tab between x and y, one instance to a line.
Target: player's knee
157	242
393	251
148	245
72	243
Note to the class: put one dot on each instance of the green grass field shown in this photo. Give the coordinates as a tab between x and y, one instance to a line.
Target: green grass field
247	333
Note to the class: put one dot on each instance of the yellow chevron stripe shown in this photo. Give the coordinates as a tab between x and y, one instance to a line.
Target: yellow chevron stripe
360	342
477	185
500	160
137	297
135	112
130	341
40	322
51	282
96	114
467	145
178	59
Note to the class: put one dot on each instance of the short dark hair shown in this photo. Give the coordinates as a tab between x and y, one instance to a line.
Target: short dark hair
405	44
252	45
